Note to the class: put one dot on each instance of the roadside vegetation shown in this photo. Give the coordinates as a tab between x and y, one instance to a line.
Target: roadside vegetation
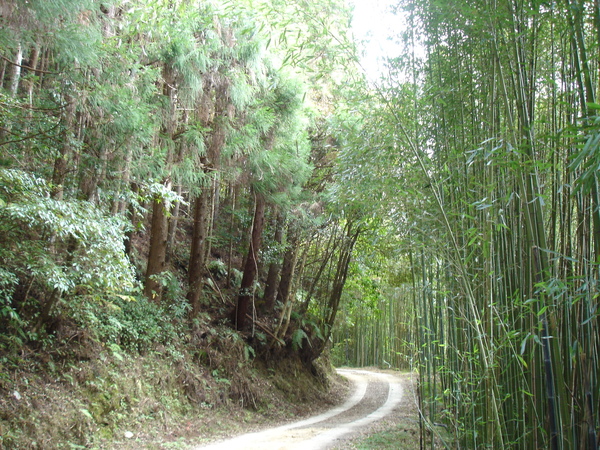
167	248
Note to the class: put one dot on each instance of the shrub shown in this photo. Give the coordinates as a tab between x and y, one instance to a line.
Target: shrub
52	249
136	325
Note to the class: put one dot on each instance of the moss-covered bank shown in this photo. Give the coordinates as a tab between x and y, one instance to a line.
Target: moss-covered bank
169	397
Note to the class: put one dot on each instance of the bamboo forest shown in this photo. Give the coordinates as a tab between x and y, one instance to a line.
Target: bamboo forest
216	186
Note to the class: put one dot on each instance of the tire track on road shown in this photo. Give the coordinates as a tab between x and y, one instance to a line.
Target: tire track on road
375	396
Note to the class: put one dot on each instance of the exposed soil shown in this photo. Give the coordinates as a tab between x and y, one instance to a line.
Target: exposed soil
285	397
149	403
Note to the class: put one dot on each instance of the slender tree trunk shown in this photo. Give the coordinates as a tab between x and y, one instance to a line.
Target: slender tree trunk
587	94
158	247
173	223
232	231
46	311
33	62
119	204
134	225
291	295
3	66
197	252
284	294
251	265
91	178
274	269
287	269
205	203
161	209
212	212
60	163
329	252
337	287
15	75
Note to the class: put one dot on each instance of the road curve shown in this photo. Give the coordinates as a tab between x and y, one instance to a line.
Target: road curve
374	396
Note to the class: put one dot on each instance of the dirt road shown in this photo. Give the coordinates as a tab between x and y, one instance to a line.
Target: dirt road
375	395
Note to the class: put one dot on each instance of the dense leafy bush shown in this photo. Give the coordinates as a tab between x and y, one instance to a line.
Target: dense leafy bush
63	243
136	325
52	249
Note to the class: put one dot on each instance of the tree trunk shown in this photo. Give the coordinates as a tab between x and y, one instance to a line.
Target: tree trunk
173	223
287	269
285	288
15	75
232	231
33	62
134	226
329	252
203	213
309	354
197	253
60	163
158	247
251	266
204	203
119	204
159	230
212	213
3	73
292	289
274	267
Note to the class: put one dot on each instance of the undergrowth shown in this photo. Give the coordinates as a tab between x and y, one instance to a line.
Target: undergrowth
119	375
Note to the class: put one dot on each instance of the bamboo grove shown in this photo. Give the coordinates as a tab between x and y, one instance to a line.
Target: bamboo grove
494	104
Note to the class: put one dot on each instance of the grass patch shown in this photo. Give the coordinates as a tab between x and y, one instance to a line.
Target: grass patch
401	436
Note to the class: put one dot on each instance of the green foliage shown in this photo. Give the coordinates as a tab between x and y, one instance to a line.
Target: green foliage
279	165
63	244
586	161
54	23
121	105
9	315
217	268
298	337
134	324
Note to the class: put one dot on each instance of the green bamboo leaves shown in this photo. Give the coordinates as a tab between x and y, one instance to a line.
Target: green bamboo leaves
502	127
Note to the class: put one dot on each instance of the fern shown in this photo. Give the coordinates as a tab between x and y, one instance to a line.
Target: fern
297	337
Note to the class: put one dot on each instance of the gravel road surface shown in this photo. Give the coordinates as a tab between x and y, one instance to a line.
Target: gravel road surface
375	395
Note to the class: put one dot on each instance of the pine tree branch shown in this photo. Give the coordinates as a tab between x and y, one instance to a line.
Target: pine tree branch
31	136
27	67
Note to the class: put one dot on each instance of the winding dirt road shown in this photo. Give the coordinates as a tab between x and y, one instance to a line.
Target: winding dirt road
375	396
